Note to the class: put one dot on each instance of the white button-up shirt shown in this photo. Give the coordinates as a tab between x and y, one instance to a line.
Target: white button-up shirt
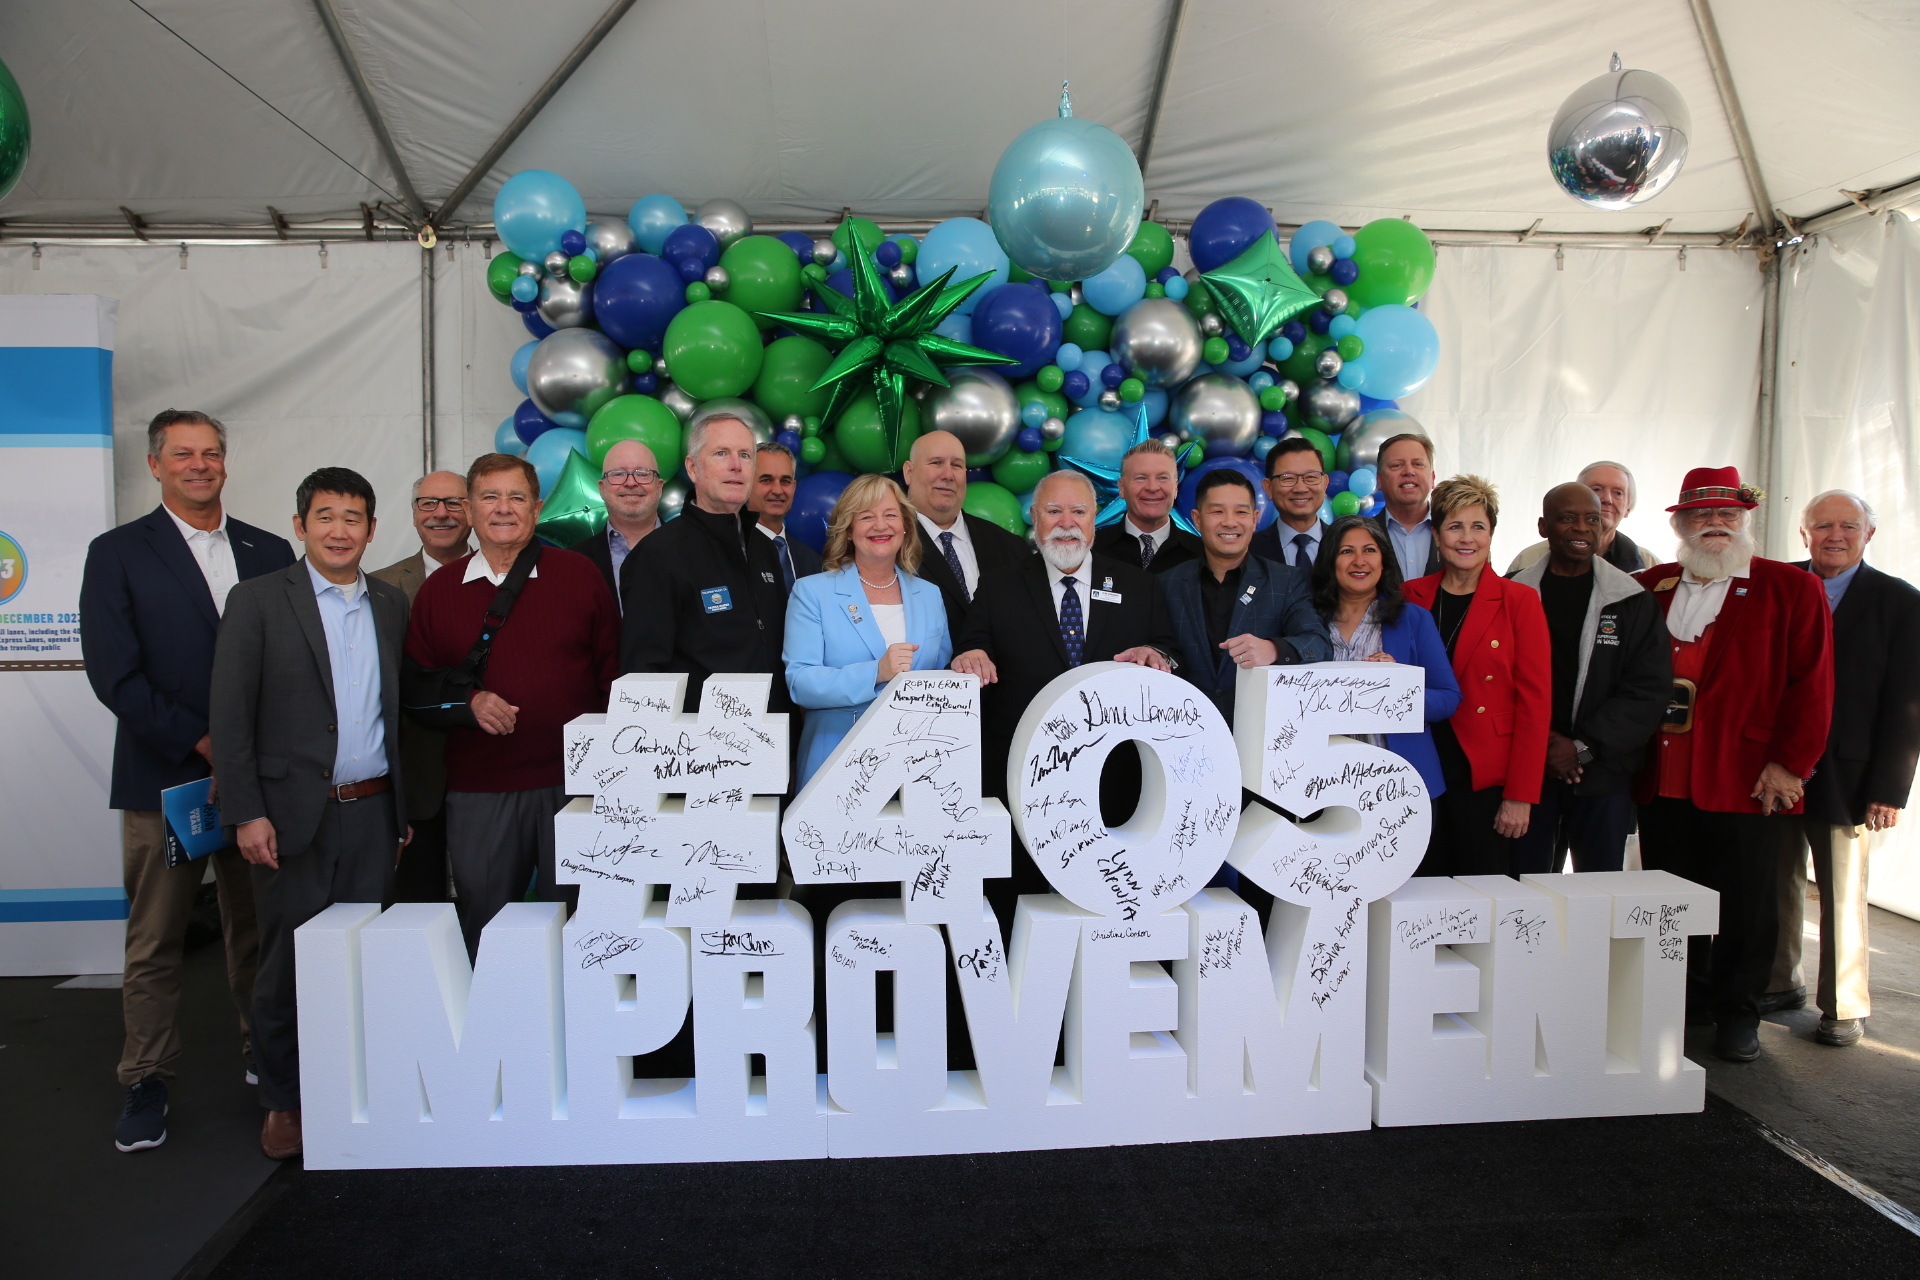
962	548
1696	603
478	567
213	553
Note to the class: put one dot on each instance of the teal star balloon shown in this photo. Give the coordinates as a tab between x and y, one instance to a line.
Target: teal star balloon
882	344
1259	291
1106	480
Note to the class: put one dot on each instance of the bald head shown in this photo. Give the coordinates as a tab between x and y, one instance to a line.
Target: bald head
630	485
936	476
1570	522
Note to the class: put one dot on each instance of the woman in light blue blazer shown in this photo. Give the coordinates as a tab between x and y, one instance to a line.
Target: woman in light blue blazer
863	619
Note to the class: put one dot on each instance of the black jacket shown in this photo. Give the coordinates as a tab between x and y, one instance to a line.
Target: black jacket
597	550
1179	548
704	594
993	547
1875	739
806	561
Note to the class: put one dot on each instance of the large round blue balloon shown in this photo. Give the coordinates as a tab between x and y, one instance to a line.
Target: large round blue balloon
534	209
1263	506
1117	288
1014	320
841	282
1097	438
692	242
529	423
636	297
535	325
1309	237
517	368
507	439
1401	349
1065	198
966	245
653	218
548	454
813	500
1225	229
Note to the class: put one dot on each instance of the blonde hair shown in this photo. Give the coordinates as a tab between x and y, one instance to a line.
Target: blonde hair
1451	494
863	493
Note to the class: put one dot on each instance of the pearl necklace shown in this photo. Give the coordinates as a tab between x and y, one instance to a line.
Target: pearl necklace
878	586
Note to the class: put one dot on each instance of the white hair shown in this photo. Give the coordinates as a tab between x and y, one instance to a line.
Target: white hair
1866	508
1633	486
1093	494
697	438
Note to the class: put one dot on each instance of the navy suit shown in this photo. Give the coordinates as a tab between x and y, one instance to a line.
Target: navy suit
1275	603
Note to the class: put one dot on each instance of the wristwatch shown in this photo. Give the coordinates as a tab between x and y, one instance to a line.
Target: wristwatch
1582	752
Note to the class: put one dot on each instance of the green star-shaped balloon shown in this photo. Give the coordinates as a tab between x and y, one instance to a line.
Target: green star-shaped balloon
885	344
1259	291
573	510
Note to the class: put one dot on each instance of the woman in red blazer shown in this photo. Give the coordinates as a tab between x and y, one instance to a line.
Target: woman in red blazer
1493	751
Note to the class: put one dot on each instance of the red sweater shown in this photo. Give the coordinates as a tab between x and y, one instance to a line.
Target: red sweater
554	659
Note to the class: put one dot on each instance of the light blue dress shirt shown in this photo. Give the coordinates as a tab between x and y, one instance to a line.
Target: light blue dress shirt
1837	587
353	652
1410	546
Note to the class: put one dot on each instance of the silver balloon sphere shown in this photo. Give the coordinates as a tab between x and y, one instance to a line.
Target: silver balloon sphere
1220	410
1212	325
734	407
1360	442
1328	363
573	372
673	498
1158	340
1334	300
825	251
900	275
565	303
1075	294
611	241
1289	388
677	400
726	219
660	366
1053	429
795	423
528	269
1332	404
556	264
1320	259
1619	139
1109	400
717	279
980	409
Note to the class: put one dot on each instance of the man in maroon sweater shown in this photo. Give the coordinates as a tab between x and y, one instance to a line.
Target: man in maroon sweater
552	660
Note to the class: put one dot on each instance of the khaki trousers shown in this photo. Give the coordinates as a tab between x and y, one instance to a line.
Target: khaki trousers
1840	869
159	900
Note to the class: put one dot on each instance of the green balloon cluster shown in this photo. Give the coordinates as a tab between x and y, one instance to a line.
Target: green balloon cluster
16	131
713	349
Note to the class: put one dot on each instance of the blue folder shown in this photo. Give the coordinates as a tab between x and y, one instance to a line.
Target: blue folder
193	821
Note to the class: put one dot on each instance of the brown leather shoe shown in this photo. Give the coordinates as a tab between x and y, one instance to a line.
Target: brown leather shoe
280	1135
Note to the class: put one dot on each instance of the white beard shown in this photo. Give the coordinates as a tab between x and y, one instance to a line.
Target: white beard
1065	554
1712	560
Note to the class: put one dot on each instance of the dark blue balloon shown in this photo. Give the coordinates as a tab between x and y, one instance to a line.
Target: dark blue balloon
800	243
635	297
1345	271
523	308
1237	350
529	422
1021	323
1368	404
1273	424
1112	375
1042	286
791	439
646	384
813	500
1166	274
1224	230
980	475
841	281
1075	384
694	243
1337	481
1293	331
691	269
535	325
572	243
888	254
1030	440
1318	319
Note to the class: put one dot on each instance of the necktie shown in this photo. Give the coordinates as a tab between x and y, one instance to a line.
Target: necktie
953	563
1072	626
1302	556
1146	550
786	561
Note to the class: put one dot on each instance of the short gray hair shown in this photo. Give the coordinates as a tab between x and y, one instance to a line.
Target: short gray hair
697	438
771	446
1633	486
1093	494
157	429
1866	508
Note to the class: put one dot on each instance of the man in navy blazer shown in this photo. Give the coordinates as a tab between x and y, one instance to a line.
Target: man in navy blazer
150	605
1232	609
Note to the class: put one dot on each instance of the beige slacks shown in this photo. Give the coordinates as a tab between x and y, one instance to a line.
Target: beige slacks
1840	869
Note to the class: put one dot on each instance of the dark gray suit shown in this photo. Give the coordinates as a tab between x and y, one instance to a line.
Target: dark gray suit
275	735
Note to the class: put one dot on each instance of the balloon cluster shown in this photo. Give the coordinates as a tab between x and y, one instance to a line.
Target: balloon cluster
1057	336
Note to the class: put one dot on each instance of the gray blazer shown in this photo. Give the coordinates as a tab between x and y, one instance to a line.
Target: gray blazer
272	712
423	751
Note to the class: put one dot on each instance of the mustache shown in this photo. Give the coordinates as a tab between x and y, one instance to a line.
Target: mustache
1066	533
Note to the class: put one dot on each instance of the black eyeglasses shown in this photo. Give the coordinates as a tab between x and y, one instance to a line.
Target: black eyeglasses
639	475
427	506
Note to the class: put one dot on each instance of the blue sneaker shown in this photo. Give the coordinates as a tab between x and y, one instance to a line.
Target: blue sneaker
143	1121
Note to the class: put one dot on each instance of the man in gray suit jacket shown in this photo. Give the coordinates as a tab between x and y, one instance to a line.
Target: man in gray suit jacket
305	721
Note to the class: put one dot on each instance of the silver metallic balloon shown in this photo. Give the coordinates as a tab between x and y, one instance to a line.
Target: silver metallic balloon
659	366
528	269
611	240
573	372
795	423
1289	388
1053	429
1334	300
1328	363
980	409
900	275
565	303
1219	409
1331	403
556	264
677	400
1320	259
1360	442
825	251
673	498
1158	341
734	407
1212	325
717	279
1075	294
1109	400
726	219
1619	139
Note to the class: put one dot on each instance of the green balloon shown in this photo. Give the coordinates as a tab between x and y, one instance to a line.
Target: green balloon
501	273
1395	260
1350	347
713	349
787	373
1050	377
1299	365
1152	248
1214	351
573	509
1322	442
762	275
1273	399
831	459
1346	504
863	439
909	247
641	418
1058	406
1087	329
16	132
1019	471
639	360
1156	289
1132	390
812	449
867	232
699	291
995	503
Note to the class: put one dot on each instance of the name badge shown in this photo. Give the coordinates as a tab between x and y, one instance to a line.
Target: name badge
766	577
1106	597
716	599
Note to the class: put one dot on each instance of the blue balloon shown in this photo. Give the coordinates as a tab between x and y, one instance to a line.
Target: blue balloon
645	384
1280	348
507	440
1075	385
1015	321
1066	197
653	218
842	282
1069	354
525	289
691	243
534	209
1318	320
573	244
548	454
1156	401
1030	440
1273	423
1177	288
966	245
800	242
1097	438
635	299
1368	404
1226	229
1260	380
1063	303
1117	288
887	254
1353	375
1248	467
955	326
1402	349
1344	272
535	325
1092	362
1363	481
691	269
1033	413
791	439
813	500
1240	368
1112	376
1310	237
1293	331
1343	248
529	423
517	367
1026	505
1336	482
1340	326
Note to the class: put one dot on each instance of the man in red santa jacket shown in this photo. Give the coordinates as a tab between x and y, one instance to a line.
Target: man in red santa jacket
1752	645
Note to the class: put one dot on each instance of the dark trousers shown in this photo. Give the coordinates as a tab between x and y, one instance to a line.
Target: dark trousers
350	859
497	843
1464	842
1593	828
422	875
1737	855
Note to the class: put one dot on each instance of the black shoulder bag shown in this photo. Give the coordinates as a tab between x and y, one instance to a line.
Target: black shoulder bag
439	697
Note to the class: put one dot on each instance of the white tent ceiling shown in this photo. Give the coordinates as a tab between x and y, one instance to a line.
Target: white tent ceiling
1436	109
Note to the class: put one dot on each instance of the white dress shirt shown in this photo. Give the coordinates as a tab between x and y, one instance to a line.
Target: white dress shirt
479	568
1159	535
1082	584
962	547
1696	603
213	552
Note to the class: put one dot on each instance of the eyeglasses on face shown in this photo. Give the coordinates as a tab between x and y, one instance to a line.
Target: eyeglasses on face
427	506
1297	479
639	475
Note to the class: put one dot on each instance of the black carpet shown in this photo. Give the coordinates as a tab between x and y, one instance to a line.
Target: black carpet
1693	1196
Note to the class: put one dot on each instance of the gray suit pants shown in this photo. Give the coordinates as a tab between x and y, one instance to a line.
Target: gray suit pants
498	842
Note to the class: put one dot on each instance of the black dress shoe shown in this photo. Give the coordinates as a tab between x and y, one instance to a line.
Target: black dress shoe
1776	1001
1737	1044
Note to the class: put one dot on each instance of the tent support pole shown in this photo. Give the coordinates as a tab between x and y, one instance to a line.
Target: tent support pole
362	90
543	95
1768	410
1736	118
426	361
1176	11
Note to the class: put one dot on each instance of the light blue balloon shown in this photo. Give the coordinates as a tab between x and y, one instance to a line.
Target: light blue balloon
1311	237
1097	438
534	209
1177	288
1033	413
1402	350
1353	375
524	288
1068	356
653	219
957	326
1280	348
1344	247
1260	380
1156	401
1117	288
1340	326
517	367
1241	368
1065	199
1092	362
1326	513
967	245
548	453
507	440
1363	481
1026	505
1063	303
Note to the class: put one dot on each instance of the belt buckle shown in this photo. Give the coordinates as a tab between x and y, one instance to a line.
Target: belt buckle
1680	703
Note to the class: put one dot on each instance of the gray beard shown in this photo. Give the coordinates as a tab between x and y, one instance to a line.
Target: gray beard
1064	556
1711	564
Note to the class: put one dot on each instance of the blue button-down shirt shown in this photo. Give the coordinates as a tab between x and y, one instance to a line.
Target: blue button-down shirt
353	652
1410	546
1837	586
